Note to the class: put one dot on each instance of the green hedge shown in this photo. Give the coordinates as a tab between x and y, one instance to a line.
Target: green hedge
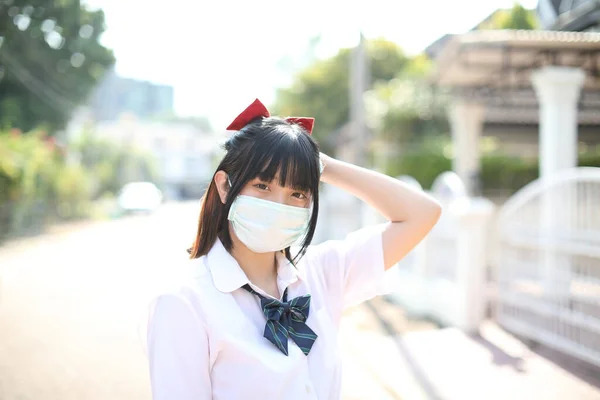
506	173
424	166
499	172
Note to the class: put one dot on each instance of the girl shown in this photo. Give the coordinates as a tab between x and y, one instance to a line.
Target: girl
257	319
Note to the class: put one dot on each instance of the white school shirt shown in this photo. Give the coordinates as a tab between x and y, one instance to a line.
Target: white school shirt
205	339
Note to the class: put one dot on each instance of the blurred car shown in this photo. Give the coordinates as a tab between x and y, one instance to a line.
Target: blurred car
139	197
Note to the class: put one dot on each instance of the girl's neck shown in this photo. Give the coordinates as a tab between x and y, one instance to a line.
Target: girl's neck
260	268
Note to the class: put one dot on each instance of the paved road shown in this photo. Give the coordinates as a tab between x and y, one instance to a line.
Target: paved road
71	306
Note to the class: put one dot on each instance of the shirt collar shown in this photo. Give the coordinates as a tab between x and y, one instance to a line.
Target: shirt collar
228	276
287	273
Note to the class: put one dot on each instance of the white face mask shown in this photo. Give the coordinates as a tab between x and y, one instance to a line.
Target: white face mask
265	226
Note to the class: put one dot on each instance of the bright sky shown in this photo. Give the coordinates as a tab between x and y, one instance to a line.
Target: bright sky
220	55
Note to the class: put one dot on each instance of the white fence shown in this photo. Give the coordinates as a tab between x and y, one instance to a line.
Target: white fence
546	242
548	267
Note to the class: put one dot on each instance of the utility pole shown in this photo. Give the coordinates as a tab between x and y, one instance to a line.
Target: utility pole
359	83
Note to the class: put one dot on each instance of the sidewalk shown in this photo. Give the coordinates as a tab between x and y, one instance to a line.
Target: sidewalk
389	357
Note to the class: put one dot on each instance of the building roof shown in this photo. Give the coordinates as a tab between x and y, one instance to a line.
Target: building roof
505	58
434	48
494	68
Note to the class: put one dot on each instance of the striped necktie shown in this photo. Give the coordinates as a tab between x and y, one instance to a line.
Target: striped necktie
285	320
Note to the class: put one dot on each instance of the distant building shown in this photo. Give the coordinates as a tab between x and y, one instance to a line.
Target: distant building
116	95
184	154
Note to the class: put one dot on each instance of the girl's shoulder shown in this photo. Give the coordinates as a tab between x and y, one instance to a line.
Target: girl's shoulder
183	280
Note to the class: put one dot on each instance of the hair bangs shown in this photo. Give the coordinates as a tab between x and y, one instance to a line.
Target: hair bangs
292	161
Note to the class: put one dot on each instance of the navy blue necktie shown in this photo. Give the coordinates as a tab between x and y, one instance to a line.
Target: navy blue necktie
285	320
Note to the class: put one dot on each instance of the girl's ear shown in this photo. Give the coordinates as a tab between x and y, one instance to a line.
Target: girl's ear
222	184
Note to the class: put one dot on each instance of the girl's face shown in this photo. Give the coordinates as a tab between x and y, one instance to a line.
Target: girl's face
273	191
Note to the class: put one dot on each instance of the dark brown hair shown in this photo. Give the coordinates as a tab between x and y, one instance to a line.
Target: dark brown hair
263	148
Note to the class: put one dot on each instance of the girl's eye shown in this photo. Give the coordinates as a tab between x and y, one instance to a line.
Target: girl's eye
261	186
299	195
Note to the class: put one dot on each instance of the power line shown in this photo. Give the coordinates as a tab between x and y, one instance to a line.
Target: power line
36	86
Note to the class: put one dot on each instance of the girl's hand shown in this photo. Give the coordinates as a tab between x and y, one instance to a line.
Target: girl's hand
324	160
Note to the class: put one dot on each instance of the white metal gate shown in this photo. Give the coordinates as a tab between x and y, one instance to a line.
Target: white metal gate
548	263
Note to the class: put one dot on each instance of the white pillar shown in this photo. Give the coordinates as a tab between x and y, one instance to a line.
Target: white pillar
473	217
466	123
558	90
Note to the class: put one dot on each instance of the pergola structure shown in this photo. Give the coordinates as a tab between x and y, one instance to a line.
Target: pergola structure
555	72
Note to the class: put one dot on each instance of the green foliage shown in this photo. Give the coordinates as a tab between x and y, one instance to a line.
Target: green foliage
518	17
322	90
423	162
507	173
590	157
72	191
406	112
51	59
405	109
499	172
28	164
40	182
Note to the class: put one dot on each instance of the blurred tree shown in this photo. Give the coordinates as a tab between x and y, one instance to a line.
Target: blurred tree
322	89
50	60
518	17
404	112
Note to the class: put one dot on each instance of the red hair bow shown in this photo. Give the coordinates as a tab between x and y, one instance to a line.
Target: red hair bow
257	109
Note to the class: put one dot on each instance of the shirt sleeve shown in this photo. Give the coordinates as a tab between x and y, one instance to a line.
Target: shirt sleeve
178	351
352	270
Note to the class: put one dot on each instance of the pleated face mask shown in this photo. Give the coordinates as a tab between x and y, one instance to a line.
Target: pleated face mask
265	226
